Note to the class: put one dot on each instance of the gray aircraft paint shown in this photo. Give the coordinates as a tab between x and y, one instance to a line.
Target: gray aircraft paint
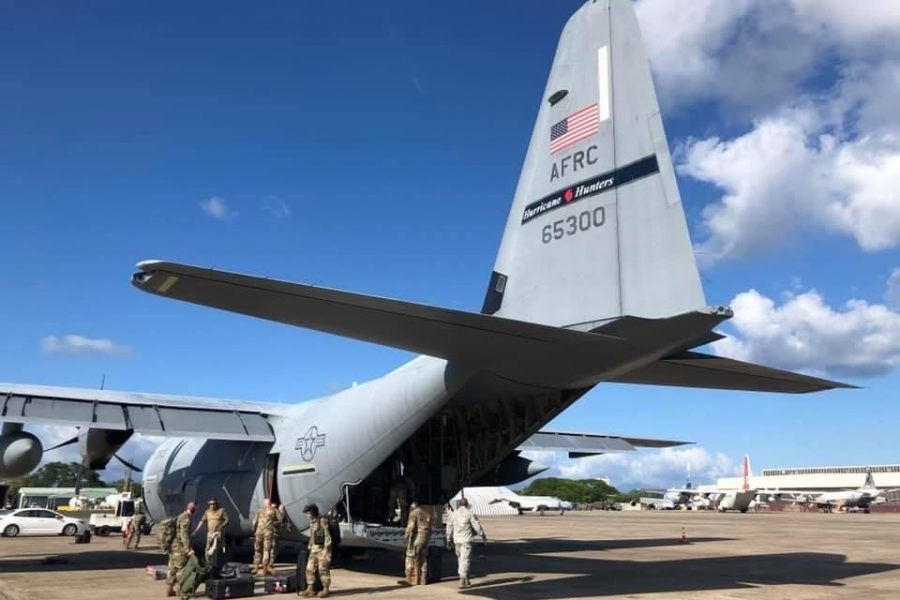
640	262
637	264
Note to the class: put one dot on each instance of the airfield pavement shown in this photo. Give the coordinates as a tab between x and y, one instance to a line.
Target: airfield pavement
577	555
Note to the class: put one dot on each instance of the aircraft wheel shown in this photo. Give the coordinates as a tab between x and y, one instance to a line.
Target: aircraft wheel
11	531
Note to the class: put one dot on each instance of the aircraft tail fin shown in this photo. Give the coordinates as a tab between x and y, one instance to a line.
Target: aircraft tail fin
746	485
596	229
869	483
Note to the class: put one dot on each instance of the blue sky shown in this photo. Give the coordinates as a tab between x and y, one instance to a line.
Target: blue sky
350	148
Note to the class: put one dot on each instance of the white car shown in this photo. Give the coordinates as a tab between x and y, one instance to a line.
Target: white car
38	521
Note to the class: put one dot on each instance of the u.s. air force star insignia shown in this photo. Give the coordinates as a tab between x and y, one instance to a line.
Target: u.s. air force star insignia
309	443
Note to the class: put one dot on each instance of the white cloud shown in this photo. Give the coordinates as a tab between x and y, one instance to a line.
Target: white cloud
278	208
803	170
813	160
804	333
645	469
756	54
216	208
76	345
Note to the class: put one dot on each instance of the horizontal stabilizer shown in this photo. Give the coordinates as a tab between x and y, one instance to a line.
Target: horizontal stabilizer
696	370
526	352
587	444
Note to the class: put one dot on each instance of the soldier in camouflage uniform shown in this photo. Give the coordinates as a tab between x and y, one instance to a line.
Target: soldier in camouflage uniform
462	527
216	518
179	547
264	528
134	529
418	533
319	552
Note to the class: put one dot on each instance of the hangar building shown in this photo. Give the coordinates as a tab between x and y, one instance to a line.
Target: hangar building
886	477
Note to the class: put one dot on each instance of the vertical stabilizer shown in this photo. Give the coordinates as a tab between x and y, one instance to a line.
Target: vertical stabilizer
746	485
869	484
597	229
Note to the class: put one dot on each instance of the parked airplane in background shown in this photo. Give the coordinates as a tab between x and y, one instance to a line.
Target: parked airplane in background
860	498
674	498
739	500
538	504
595	281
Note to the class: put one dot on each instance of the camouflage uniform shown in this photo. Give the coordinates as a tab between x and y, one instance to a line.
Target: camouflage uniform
319	555
418	532
462	527
265	522
216	520
134	530
179	548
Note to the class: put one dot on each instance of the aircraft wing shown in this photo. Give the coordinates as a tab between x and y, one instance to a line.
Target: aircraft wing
479	340
148	414
579	445
522	351
694	369
798	496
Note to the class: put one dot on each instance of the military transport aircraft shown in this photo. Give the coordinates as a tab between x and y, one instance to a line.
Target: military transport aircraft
595	281
860	498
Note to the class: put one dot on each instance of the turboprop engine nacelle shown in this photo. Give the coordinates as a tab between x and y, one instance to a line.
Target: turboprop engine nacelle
20	453
511	470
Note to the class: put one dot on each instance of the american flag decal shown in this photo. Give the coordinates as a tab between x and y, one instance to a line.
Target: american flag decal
579	125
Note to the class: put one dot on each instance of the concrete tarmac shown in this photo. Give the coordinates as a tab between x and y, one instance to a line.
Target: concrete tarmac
578	555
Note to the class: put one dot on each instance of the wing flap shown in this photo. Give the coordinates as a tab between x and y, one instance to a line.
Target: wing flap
697	370
588	444
158	415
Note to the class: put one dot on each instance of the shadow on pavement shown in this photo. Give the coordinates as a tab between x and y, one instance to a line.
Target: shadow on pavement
494	568
91	560
605	577
551	545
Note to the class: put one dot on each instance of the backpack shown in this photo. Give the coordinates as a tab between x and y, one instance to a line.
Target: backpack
167	533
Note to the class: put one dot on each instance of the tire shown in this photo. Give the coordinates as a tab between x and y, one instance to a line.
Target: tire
743	510
11	531
70	530
103	531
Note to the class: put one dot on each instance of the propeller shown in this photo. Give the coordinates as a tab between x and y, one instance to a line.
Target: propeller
68	442
127	464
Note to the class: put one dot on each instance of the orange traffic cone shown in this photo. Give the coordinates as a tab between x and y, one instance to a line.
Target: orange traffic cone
684	539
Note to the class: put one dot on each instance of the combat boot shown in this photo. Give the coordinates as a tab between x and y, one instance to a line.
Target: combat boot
323	593
270	571
309	592
170	591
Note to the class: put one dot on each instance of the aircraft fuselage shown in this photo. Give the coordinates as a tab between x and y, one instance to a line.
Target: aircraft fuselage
321	446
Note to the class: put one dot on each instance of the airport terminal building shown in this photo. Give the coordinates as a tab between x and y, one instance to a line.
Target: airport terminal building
886	477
